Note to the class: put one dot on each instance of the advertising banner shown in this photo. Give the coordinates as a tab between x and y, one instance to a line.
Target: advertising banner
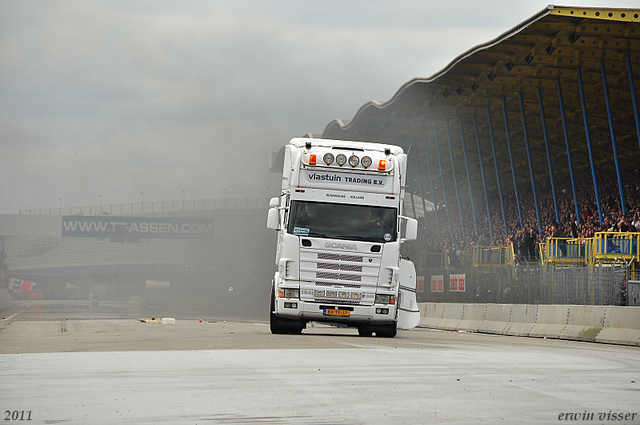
453	283
437	283
457	283
136	227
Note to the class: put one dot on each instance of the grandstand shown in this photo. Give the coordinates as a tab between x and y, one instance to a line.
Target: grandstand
528	145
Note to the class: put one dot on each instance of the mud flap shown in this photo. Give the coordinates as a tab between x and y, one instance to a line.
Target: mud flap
408	311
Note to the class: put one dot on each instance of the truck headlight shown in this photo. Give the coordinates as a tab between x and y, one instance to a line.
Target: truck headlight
291	293
385	299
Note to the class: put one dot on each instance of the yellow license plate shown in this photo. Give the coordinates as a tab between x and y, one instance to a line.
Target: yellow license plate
332	312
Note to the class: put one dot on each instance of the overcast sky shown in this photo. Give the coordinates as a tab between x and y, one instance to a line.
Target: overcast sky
115	98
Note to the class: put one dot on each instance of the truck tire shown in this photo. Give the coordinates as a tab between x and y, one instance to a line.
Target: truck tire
364	330
280	326
387	331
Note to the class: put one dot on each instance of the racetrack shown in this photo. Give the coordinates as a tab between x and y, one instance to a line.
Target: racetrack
91	369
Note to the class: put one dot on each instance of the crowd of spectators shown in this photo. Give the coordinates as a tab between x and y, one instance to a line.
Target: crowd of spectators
442	230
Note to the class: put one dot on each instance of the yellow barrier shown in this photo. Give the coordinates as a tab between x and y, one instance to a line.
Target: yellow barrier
487	256
566	251
615	247
433	260
603	248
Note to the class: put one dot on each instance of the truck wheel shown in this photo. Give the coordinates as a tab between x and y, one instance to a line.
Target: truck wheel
364	330
280	326
274	321
387	331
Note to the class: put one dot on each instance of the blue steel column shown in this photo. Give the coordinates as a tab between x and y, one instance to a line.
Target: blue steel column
526	144
566	141
613	136
586	130
546	145
455	181
444	191
413	204
513	170
633	94
466	164
484	185
495	162
424	206
433	190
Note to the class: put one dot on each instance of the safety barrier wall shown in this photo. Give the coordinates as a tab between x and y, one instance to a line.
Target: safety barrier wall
5	299
610	324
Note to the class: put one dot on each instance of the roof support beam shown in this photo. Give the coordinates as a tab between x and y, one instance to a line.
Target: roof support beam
484	185
495	163
513	169
566	141
466	164
546	145
444	191
455	180
588	135
526	143
433	190
633	94
623	204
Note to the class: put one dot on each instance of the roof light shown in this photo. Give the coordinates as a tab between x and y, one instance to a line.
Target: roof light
382	165
328	158
354	160
312	159
341	159
366	162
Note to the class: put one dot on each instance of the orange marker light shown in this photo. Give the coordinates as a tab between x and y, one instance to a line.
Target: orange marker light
382	165
312	159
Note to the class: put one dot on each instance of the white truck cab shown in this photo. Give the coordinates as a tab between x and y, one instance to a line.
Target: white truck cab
340	225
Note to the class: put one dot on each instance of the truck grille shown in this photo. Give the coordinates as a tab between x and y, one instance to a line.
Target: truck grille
339	285
343	267
340	257
339	269
338	276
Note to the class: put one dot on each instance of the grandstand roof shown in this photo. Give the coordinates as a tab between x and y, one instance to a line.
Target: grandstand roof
526	67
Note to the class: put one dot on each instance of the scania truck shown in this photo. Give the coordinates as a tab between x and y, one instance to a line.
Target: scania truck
340	224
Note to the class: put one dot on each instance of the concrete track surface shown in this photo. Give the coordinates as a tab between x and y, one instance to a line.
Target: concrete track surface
74	366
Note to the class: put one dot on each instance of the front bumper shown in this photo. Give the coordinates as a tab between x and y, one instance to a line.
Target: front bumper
316	311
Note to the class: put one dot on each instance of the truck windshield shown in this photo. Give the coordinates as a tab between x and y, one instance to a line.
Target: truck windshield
342	221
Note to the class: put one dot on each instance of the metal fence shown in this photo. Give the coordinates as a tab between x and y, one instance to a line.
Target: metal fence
532	284
156	207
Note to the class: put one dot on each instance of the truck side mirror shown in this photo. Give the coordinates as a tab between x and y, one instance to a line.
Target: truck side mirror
273	218
273	202
411	229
